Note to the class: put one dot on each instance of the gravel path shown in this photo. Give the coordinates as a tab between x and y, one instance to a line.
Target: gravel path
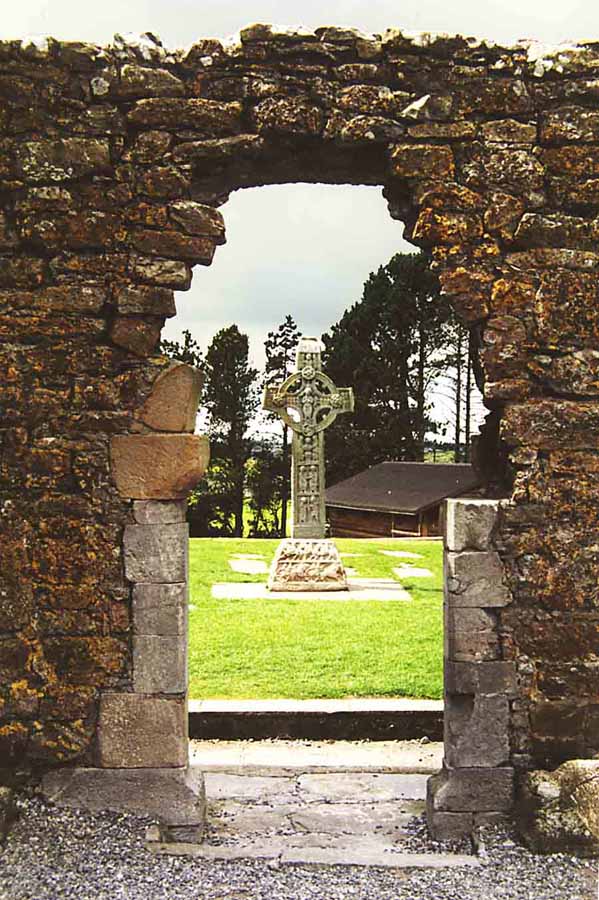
54	853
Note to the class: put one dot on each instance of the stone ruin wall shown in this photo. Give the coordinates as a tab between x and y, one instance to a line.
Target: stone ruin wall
113	164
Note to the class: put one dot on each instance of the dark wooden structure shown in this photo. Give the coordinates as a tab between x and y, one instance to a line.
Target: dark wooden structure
393	499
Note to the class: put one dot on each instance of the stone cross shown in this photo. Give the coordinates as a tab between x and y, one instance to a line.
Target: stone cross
308	402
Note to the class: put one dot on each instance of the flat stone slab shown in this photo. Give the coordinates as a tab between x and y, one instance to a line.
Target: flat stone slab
291	757
249	566
386	589
403	554
412	572
361	786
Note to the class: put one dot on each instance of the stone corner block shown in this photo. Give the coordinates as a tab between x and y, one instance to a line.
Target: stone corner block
159	664
160	609
158	466
495	677
449	826
476	730
471	790
159	512
471	635
156	553
139	732
469	523
173	402
475	579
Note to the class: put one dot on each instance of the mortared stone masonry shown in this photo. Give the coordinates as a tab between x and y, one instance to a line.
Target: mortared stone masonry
114	164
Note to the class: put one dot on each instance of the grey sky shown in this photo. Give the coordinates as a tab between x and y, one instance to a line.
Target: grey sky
302	249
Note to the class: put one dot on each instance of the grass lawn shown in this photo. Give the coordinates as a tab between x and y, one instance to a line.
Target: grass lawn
302	649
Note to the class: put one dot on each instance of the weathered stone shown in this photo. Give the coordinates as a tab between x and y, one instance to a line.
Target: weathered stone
196	218
307	565
475	579
138	81
503	215
163	183
369	100
471	635
558	811
418	160
480	678
158	466
8	811
62	160
211	118
168	273
173	402
159	512
288	116
469	524
159	664
434	227
139	335
160	609
156	553
553	424
141	299
471	790
174	796
137	732
175	245
450	826
557	231
451	131
570	123
476	730
509	131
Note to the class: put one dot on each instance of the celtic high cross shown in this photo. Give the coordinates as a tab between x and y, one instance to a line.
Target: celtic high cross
308	402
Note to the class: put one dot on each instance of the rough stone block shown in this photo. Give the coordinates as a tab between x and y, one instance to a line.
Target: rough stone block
140	336
480	678
156	553
449	826
476	730
175	796
471	790
475	579
159	664
470	635
469	524
159	512
173	402
160	609
138	732
158	466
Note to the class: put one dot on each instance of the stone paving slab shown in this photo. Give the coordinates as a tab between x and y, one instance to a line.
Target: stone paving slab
249	566
359	787
409	571
403	554
385	589
291	757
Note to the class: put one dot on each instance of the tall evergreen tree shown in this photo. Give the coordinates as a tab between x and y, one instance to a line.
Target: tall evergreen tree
390	348
280	346
231	397
187	350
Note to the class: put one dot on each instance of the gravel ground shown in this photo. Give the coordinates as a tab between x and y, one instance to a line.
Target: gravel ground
53	853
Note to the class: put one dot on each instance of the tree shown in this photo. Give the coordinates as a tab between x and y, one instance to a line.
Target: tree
280	347
187	351
266	477
231	397
390	347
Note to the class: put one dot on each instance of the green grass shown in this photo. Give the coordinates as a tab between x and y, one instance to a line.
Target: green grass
298	649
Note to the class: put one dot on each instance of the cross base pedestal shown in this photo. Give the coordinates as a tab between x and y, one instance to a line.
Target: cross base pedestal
307	565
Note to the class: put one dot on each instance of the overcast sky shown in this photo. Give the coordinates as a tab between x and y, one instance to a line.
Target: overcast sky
299	249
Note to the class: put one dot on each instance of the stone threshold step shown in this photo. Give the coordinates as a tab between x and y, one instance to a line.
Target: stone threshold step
317	720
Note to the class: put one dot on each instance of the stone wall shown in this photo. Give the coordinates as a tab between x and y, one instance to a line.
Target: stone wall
113	164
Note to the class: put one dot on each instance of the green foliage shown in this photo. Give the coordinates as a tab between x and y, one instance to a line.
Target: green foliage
390	347
267	478
280	347
302	649
211	505
187	351
231	397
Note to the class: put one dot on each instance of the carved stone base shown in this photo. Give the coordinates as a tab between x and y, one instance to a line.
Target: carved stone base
307	565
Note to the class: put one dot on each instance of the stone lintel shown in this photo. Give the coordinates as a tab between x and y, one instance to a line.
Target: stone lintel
307	565
140	732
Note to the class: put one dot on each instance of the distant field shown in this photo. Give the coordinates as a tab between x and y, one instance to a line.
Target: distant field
297	649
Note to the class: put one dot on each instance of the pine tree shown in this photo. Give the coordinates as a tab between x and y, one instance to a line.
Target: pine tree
231	397
280	347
